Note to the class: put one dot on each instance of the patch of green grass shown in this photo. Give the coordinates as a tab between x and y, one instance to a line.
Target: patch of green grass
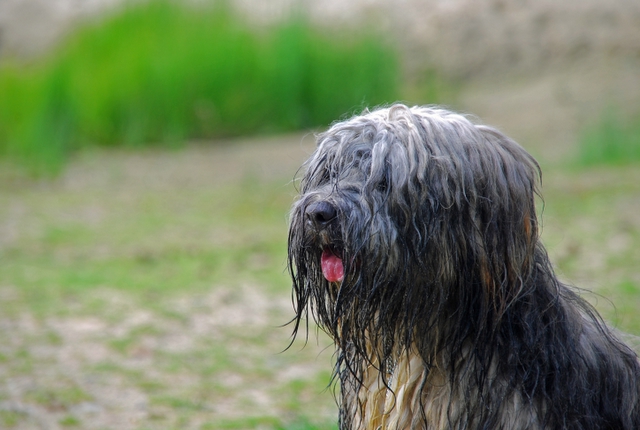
590	228
612	140
22	361
431	86
178	403
625	296
69	421
10	419
268	423
122	345
246	423
152	245
59	398
50	283
157	72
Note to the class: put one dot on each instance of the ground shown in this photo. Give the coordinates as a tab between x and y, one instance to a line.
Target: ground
148	289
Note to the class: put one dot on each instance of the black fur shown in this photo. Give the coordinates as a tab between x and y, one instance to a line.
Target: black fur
437	229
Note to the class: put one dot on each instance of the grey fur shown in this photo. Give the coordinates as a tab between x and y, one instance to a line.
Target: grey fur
433	219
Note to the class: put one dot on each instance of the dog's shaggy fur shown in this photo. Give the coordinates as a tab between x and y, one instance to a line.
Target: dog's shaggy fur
414	244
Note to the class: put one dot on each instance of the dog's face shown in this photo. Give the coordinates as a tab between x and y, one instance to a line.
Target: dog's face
404	211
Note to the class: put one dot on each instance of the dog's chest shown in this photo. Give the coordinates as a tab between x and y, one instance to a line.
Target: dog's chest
417	399
398	406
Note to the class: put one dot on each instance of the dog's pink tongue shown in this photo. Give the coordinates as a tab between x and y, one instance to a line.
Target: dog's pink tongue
332	268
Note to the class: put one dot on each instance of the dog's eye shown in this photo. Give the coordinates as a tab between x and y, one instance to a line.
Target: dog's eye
382	185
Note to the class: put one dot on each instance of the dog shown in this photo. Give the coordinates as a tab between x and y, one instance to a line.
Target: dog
414	244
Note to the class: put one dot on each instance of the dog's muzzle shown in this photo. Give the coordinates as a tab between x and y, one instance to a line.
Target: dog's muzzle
320	217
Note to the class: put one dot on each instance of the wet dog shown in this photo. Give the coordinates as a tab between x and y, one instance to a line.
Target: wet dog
414	244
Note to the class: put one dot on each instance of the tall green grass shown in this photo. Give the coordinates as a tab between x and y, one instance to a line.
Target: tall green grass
157	72
610	140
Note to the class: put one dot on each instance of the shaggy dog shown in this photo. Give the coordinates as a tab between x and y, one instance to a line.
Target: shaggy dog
414	244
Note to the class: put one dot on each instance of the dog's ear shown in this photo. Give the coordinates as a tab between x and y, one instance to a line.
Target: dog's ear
505	218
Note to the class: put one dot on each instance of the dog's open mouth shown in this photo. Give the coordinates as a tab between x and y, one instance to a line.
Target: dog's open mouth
332	267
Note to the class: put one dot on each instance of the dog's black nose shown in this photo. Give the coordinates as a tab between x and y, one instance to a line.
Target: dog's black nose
320	213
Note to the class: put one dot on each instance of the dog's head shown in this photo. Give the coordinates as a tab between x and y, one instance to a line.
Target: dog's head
407	215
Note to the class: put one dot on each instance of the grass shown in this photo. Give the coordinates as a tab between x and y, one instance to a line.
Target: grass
150	287
612	140
157	72
591	226
146	289
159	305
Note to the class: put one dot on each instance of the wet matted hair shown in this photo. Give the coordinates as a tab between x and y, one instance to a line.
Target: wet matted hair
414	244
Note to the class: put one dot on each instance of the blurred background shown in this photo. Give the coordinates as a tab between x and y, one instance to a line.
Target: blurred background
148	156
